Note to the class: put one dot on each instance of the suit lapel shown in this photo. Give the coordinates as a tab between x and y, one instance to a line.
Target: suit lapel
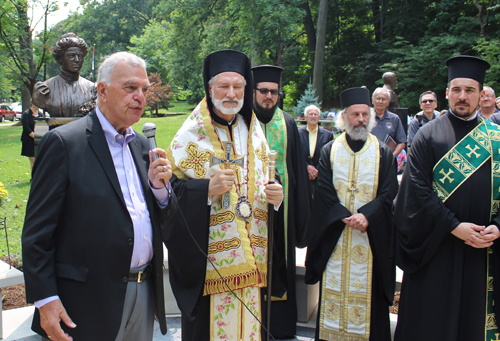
305	139
319	143
99	145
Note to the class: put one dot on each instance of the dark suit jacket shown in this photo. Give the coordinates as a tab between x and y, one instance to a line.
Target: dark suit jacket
324	136
78	235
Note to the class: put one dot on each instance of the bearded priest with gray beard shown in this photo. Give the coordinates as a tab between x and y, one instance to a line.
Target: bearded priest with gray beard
350	253
219	163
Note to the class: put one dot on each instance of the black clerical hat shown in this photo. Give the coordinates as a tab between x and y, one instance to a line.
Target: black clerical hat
267	73
234	61
467	67
354	96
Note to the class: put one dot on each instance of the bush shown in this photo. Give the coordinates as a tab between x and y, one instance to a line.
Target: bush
306	100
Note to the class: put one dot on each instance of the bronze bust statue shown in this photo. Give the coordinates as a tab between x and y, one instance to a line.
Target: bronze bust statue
67	94
390	83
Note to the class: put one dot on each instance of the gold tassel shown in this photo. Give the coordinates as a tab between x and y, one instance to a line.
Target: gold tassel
217	286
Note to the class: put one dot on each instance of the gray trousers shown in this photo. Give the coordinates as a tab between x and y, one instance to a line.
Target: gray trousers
138	312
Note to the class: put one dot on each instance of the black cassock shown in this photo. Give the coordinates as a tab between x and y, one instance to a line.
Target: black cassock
188	263
443	294
284	313
327	213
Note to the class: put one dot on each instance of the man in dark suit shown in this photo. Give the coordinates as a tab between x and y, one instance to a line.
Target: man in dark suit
313	138
91	240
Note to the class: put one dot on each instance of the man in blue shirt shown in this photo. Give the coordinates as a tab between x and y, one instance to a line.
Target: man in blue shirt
428	104
388	123
487	108
92	246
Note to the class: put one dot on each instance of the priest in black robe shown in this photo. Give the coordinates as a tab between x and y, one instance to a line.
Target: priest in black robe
342	212
217	244
282	135
443	233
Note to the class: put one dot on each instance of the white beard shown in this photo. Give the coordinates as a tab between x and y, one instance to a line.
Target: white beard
219	105
358	133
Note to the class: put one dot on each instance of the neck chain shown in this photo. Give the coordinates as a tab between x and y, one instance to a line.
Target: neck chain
243	206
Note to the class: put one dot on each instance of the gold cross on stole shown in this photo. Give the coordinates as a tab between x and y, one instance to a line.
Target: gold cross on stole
353	190
227	163
446	176
261	154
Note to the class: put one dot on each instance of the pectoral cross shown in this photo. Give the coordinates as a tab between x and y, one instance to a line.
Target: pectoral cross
227	163
473	151
353	189
446	176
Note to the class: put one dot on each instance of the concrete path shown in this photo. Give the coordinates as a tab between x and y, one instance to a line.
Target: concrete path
17	327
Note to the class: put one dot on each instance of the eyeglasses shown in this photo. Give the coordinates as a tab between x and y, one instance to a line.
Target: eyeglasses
428	101
265	91
380	99
489	96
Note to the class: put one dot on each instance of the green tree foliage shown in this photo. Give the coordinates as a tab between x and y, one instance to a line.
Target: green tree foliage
308	98
25	57
489	50
363	39
109	25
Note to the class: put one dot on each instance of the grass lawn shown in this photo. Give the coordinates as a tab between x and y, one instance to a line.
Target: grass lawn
15	173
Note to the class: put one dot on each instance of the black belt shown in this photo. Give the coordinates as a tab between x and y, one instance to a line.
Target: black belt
140	276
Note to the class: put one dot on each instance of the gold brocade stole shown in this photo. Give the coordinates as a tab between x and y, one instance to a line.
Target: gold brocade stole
454	168
237	248
347	280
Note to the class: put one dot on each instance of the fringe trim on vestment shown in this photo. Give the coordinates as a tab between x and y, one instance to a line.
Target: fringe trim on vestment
252	278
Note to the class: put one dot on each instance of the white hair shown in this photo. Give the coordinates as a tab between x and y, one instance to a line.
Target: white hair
312	106
383	89
109	63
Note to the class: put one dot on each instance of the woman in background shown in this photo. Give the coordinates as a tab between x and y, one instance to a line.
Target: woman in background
28	135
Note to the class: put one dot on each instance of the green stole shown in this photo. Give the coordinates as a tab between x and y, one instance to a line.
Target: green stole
276	136
456	166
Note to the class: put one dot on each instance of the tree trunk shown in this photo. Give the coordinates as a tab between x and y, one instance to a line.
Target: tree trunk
376	20
381	20
25	97
26	54
254	59
482	23
310	31
320	50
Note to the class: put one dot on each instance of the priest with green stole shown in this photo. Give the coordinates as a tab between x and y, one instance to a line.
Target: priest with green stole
218	247
352	211
282	135
446	219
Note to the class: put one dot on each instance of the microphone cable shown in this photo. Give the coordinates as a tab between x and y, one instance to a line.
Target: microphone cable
149	131
269	295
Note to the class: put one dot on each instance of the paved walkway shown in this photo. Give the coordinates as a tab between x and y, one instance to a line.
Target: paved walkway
17	327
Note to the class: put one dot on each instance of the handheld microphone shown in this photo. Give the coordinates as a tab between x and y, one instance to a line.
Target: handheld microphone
149	130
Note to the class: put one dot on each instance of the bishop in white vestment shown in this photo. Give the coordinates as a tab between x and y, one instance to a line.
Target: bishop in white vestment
220	162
